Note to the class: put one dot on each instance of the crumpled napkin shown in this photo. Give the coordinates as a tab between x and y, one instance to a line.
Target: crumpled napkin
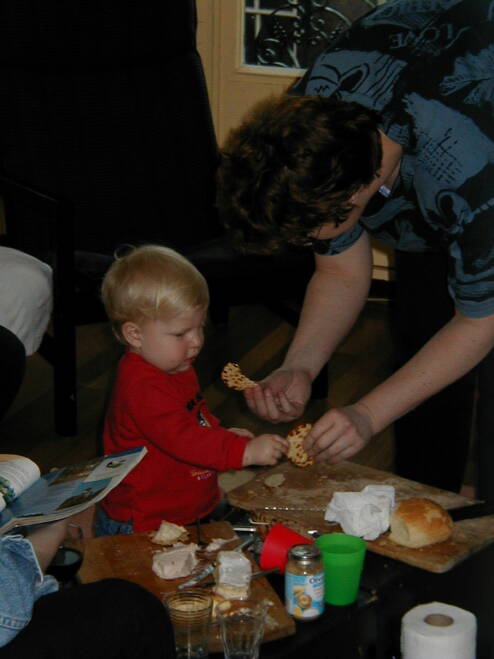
365	513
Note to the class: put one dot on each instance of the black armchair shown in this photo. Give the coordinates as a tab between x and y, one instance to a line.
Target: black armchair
106	138
106	130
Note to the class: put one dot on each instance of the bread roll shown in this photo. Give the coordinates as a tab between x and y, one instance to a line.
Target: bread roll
418	522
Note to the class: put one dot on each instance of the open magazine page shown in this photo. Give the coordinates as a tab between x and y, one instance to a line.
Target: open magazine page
17	474
69	490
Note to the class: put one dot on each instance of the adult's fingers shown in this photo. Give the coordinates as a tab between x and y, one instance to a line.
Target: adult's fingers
263	404
333	438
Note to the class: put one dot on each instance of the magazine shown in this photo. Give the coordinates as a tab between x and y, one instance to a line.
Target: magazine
27	497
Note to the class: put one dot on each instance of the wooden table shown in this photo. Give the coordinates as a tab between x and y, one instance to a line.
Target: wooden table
130	557
369	629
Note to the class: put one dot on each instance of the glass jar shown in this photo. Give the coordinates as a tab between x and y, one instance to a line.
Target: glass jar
304	583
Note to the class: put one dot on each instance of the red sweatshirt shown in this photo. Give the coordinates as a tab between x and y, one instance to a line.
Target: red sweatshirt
177	479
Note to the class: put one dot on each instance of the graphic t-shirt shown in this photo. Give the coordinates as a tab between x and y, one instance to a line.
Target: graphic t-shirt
428	67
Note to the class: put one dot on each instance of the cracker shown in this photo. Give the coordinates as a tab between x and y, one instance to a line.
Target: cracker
296	452
275	480
233	377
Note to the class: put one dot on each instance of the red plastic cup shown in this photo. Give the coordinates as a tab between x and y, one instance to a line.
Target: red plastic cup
276	545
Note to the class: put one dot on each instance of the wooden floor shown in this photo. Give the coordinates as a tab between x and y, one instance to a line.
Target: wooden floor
254	337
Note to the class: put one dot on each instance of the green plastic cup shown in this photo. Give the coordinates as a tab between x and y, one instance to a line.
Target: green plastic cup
343	560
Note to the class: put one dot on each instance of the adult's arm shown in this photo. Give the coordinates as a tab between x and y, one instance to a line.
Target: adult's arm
333	300
46	539
448	355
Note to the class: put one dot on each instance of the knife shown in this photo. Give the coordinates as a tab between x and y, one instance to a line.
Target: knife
457	514
198	578
471	512
205	572
293	508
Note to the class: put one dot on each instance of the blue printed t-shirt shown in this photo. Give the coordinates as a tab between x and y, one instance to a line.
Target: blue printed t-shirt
427	66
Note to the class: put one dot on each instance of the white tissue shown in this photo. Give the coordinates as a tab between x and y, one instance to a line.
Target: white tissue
365	514
422	640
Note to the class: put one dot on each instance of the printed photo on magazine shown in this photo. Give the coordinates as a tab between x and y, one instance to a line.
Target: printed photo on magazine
27	497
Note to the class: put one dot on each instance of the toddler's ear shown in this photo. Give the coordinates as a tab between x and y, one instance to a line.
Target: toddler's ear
131	332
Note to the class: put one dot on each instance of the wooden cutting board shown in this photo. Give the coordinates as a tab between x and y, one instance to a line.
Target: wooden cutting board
309	490
130	557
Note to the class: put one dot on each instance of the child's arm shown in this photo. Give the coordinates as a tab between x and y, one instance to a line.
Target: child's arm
264	450
242	432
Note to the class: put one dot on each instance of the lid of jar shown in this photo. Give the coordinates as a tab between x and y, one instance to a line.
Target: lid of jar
304	552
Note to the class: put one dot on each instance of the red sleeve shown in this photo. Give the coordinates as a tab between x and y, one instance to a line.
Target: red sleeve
160	412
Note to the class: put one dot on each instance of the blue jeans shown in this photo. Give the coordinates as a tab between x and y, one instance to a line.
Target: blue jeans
107	526
22	585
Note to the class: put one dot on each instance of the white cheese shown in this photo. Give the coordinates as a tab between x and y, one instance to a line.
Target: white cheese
175	562
234	569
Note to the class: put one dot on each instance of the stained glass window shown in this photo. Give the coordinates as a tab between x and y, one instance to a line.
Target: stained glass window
290	33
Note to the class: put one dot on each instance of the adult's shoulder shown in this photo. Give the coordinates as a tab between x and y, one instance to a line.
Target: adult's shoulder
376	57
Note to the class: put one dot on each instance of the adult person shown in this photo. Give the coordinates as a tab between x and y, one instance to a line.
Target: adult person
108	619
391	136
26	301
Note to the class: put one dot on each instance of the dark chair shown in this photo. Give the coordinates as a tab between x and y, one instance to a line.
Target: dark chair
106	131
106	138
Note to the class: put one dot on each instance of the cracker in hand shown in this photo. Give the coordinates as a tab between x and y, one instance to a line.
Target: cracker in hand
296	452
233	377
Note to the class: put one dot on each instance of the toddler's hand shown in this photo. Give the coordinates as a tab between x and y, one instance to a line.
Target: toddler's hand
264	450
241	432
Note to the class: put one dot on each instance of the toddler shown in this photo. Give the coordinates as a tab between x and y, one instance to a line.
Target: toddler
157	302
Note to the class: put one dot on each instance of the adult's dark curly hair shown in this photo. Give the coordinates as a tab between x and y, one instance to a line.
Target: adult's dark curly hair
292	165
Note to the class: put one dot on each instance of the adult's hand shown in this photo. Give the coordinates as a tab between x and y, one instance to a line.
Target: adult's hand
339	434
281	396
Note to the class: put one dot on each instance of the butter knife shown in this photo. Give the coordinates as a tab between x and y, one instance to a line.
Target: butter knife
293	508
198	578
205	572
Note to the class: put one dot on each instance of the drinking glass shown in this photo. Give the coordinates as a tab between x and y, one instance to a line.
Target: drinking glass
343	559
241	627
190	613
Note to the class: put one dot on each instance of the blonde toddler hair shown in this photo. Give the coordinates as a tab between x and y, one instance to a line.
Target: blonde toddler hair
153	282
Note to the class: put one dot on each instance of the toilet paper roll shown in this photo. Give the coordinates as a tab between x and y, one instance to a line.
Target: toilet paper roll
438	631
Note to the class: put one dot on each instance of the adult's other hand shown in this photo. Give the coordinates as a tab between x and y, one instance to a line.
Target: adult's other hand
339	434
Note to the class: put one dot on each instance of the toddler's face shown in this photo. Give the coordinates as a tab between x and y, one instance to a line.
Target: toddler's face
171	345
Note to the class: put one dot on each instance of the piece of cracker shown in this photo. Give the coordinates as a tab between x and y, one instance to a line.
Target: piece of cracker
296	452
233	377
275	480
